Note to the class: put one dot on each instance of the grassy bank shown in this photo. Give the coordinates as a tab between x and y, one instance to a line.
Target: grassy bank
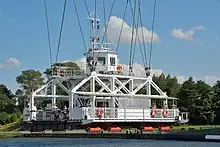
12	129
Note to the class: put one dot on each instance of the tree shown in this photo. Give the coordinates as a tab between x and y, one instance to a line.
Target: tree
216	101
29	80
21	99
205	104
7	100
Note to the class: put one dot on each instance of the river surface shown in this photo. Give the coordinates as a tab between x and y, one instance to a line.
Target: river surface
61	142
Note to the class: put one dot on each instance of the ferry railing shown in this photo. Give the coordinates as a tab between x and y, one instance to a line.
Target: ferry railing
129	113
66	71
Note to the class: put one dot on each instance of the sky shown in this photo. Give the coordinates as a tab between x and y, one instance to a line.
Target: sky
186	36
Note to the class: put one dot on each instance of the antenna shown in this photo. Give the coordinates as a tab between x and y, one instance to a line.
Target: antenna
95	25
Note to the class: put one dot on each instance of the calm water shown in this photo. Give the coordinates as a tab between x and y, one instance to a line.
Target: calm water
60	142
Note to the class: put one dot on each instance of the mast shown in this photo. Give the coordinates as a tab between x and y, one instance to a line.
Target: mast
94	38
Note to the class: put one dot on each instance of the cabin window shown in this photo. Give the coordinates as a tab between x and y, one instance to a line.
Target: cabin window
101	60
112	61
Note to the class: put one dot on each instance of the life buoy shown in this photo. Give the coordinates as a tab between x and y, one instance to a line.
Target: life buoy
99	113
119	68
165	113
153	112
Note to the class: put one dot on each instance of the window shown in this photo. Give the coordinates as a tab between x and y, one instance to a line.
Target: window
101	60
112	61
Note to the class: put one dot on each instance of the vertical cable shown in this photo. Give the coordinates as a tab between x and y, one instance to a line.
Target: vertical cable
152	35
61	30
48	33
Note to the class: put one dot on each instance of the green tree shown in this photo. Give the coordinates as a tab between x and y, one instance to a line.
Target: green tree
29	80
7	100
21	99
216	101
205	104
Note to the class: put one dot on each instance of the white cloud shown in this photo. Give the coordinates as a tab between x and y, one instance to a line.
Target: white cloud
208	79
11	63
114	28
186	34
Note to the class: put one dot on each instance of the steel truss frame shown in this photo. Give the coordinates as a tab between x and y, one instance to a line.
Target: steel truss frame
99	85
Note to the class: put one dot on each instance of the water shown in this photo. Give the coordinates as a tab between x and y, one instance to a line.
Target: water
61	142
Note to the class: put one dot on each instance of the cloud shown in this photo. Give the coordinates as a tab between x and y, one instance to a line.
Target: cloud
186	34
211	80
114	28
11	63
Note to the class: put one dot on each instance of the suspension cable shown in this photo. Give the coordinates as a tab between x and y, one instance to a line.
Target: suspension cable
87	8
132	37
142	55
142	32
48	33
136	36
113	3
122	25
152	35
103	37
61	30
80	27
103	2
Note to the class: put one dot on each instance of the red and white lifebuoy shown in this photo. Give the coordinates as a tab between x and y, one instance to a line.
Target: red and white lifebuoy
153	112
100	113
165	113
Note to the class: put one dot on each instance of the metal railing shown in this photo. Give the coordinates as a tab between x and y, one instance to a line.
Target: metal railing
129	114
65	71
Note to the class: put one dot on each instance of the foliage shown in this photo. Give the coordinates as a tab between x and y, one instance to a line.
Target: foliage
201	100
30	80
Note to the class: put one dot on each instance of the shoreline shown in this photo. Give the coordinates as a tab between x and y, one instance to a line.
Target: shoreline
185	136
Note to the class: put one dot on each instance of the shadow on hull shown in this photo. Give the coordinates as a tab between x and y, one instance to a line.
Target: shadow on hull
37	126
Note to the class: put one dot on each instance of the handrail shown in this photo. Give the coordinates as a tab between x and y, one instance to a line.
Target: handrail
64	71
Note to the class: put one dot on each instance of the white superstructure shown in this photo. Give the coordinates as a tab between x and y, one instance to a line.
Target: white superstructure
103	93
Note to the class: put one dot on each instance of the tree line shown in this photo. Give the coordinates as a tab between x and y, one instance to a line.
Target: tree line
201	100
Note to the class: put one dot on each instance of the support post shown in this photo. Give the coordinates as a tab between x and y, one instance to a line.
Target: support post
148	89
71	103
53	94
92	89
32	110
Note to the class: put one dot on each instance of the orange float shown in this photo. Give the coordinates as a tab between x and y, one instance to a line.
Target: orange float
115	129
95	130
148	128
166	128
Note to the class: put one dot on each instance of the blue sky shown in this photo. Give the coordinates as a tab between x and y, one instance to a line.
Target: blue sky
188	30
